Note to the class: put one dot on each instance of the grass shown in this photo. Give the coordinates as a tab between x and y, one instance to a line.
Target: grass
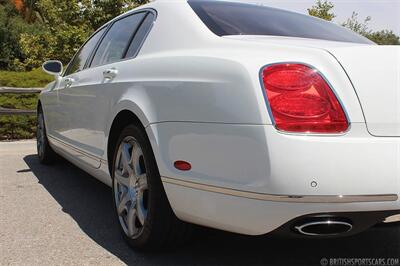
17	126
18	101
21	126
32	79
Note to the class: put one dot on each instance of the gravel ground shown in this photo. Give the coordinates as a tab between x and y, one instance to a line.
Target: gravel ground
59	215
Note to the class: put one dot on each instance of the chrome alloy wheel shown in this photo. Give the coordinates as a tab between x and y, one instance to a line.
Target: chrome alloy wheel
40	135
130	187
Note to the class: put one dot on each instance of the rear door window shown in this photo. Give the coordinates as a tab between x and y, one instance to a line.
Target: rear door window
115	43
78	62
140	36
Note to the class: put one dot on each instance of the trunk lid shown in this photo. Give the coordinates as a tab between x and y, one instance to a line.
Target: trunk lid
375	74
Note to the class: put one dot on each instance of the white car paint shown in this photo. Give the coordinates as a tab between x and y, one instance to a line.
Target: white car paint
200	99
377	84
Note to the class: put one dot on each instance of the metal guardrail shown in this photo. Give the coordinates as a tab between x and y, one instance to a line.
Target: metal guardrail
7	111
19	90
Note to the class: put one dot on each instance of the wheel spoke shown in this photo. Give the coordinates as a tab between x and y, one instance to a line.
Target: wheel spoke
141	211
142	182
126	158
131	220
121	179
135	158
122	204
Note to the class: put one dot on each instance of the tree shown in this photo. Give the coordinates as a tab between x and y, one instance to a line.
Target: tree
65	29
59	28
12	25
27	9
98	12
322	10
356	26
384	37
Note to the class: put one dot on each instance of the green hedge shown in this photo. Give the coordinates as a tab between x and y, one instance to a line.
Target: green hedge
32	79
20	126
17	127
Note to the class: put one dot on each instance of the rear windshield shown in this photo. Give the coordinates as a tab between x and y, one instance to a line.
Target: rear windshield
228	18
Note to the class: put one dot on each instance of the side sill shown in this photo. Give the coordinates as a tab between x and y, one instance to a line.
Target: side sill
89	159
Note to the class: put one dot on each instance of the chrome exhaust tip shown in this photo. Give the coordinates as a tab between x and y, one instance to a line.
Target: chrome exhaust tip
324	228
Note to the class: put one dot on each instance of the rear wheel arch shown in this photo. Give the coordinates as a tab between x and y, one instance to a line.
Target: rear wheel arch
120	121
160	228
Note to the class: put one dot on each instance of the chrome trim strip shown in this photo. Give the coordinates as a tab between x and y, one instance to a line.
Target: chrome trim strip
66	145
283	198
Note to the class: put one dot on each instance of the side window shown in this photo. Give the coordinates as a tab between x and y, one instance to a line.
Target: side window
140	36
114	44
78	62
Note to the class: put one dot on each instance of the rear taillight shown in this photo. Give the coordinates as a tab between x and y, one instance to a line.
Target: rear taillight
301	101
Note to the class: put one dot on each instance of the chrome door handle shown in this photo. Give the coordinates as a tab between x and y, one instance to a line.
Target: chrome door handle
110	73
68	82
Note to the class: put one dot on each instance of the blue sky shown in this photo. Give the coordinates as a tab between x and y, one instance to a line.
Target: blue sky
385	13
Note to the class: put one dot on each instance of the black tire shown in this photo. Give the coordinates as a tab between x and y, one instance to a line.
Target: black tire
161	228
45	153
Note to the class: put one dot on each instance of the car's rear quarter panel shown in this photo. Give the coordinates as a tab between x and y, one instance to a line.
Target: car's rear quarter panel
210	109
219	122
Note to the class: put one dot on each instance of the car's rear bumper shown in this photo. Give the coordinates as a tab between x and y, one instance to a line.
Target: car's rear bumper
257	217
251	179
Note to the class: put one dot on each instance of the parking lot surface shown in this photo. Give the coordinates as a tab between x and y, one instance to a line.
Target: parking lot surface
59	215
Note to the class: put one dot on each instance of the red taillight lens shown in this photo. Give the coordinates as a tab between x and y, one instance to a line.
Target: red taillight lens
301	100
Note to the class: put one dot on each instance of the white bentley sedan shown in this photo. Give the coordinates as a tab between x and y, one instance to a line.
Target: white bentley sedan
233	116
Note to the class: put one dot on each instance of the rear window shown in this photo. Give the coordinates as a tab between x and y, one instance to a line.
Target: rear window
228	18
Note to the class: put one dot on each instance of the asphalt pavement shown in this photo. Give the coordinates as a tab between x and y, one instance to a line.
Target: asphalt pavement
59	215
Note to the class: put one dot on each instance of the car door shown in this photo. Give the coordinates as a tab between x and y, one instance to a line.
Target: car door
69	107
86	102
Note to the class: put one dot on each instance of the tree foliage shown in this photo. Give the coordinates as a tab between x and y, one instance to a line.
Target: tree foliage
11	27
355	25
322	10
98	12
384	37
32	31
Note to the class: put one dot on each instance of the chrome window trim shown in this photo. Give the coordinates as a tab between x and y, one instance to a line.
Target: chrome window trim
108	25
144	38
